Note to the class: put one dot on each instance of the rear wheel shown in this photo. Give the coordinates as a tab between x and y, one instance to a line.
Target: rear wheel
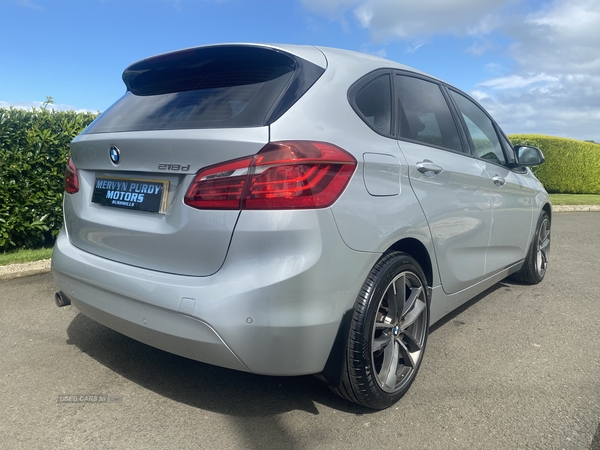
536	261
388	333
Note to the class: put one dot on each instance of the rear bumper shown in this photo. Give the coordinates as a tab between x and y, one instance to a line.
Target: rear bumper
274	308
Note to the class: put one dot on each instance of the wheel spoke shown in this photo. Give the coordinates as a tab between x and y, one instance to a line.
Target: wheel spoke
390	365
411	343
545	240
545	256
543	261
414	294
413	314
410	359
544	236
543	248
399	298
381	342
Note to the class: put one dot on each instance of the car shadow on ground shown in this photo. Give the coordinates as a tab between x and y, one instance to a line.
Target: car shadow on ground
595	445
201	385
504	284
256	401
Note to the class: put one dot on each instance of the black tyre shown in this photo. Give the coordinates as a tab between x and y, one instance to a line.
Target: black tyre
388	333
536	261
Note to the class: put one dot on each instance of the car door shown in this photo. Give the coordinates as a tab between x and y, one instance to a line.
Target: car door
452	187
511	196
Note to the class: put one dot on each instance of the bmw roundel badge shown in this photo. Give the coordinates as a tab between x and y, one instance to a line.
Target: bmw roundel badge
115	155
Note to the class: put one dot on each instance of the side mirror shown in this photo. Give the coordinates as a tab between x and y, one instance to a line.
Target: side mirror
528	156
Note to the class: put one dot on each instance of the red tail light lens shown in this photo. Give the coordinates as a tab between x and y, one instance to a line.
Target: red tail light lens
220	186
71	178
283	175
298	174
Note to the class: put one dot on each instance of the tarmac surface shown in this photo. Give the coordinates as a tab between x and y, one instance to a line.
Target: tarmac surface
517	367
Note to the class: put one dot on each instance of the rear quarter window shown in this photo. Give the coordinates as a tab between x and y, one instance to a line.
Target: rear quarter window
372	101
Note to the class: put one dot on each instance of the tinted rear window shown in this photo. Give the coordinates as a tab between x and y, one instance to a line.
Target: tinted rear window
374	103
215	87
424	113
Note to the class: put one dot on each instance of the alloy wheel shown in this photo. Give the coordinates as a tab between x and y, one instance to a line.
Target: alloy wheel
399	332
543	248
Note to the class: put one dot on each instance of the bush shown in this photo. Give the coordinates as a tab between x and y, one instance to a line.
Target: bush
571	167
34	147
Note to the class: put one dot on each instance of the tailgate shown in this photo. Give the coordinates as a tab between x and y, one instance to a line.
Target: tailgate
172	238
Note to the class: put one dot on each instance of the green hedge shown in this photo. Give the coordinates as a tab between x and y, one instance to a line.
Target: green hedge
571	167
34	147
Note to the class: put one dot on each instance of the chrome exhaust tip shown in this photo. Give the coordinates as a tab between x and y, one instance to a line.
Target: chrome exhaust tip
61	299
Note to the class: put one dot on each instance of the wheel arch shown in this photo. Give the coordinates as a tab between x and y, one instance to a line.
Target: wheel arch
333	369
548	208
418	251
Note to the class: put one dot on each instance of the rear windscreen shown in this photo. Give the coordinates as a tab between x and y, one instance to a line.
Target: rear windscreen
215	87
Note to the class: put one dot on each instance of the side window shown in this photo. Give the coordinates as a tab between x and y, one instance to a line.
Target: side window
374	104
424	114
482	131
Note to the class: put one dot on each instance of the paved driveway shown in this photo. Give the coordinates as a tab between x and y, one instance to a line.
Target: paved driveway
518	367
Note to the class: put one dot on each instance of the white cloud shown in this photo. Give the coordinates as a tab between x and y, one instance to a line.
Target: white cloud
414	47
330	8
389	19
381	53
29	4
536	113
568	106
563	38
495	68
480	95
38	105
555	87
518	81
551	84
480	46
364	14
486	25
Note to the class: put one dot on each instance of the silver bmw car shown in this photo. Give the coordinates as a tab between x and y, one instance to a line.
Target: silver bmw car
292	210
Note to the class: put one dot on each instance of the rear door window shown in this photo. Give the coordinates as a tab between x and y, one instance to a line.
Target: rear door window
424	114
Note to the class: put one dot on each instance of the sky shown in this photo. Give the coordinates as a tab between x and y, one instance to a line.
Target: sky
533	64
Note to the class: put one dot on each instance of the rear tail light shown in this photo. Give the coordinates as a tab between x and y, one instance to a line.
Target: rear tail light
283	175
71	178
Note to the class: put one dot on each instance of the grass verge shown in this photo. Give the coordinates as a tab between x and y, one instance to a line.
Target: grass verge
24	256
575	199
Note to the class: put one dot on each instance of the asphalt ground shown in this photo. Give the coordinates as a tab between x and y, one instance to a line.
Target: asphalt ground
517	367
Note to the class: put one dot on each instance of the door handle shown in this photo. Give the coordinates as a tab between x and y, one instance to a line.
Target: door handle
429	168
498	180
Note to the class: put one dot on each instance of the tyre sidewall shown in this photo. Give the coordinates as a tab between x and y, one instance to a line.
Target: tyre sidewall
366	309
532	260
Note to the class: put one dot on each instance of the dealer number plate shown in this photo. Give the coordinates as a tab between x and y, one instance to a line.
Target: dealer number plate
131	193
